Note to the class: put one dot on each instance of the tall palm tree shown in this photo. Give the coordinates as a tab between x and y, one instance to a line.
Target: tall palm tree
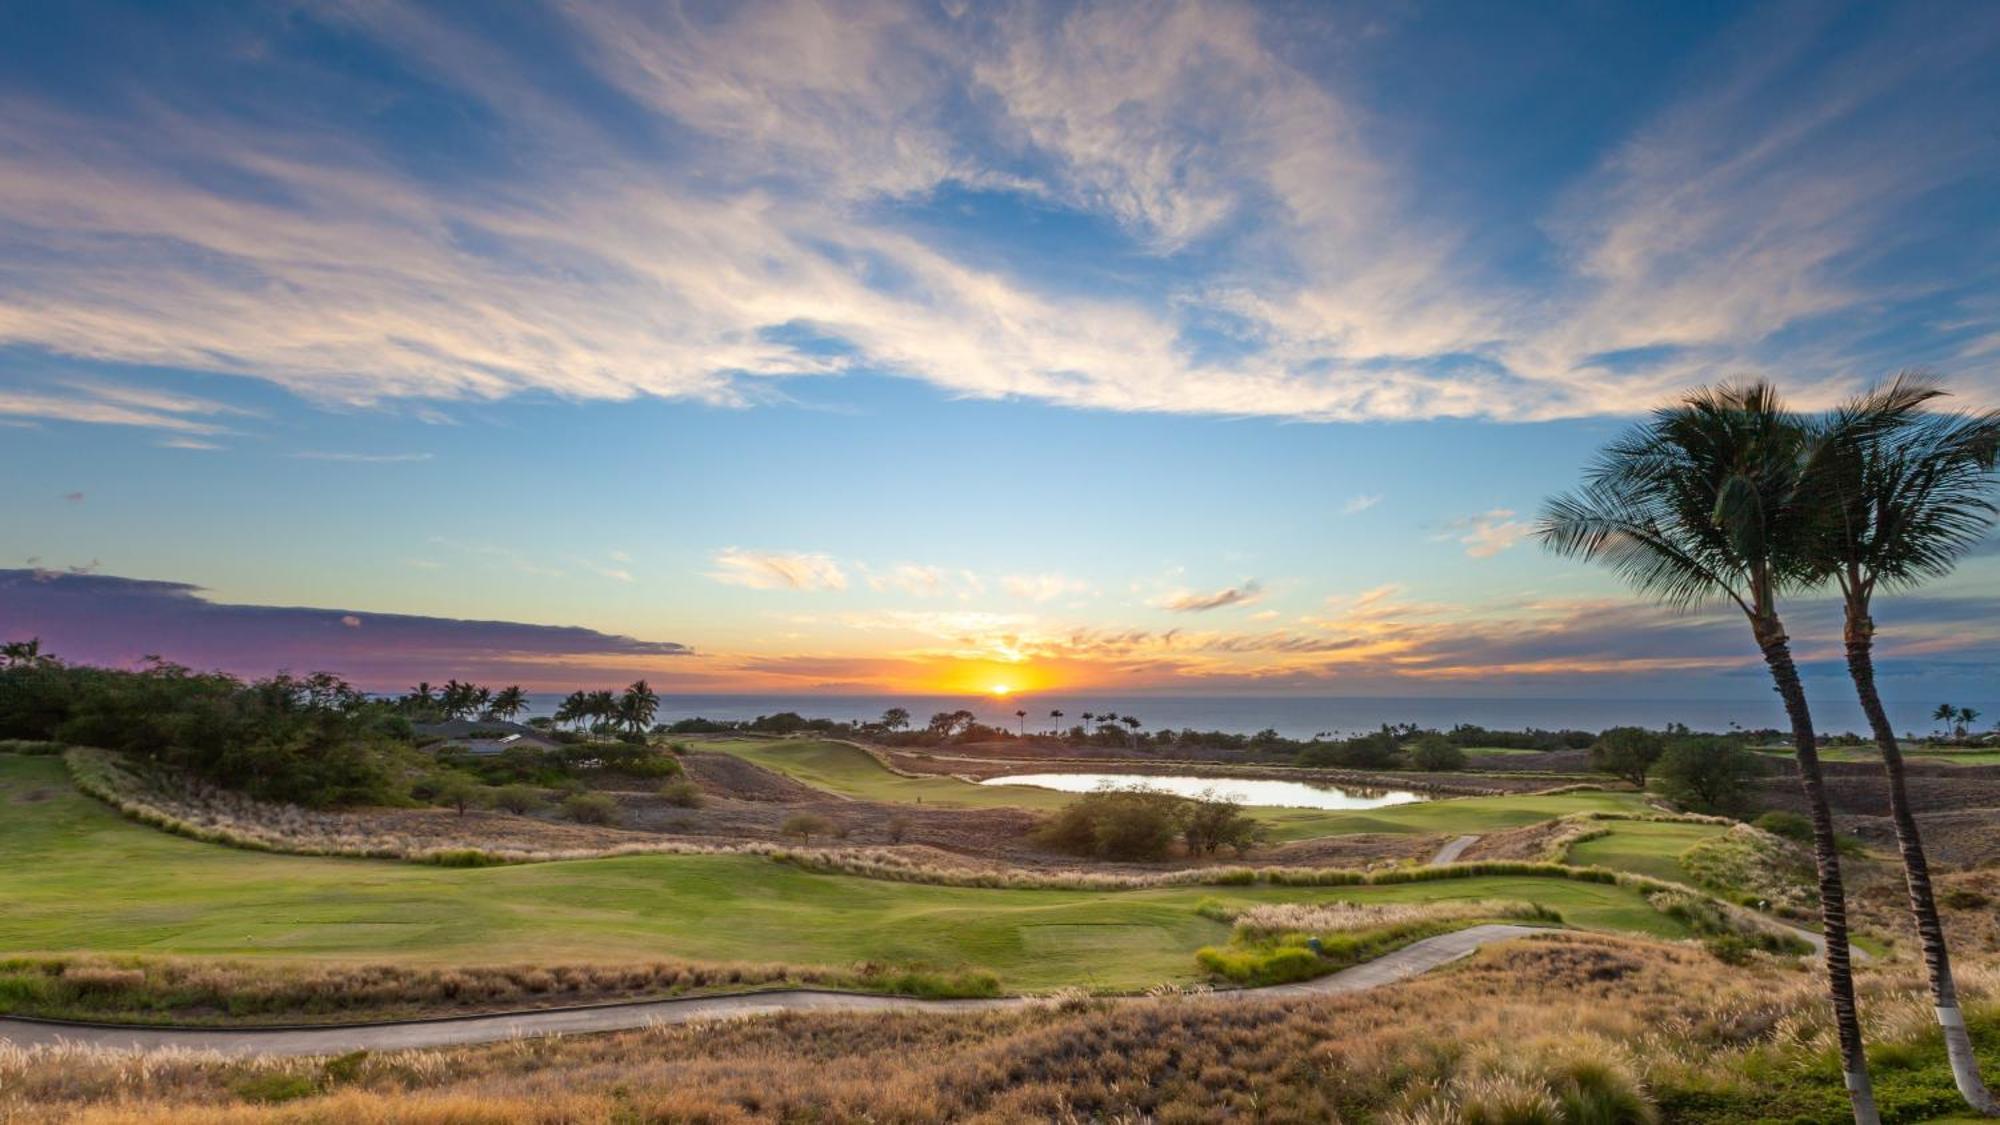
638	706
1905	496
1966	717
1945	715
571	709
1022	715
1055	721
1707	502
510	701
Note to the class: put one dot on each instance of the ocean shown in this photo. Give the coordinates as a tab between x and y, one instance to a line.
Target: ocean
1305	716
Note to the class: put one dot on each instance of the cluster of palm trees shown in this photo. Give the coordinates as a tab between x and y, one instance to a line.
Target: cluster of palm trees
1959	719
1728	496
631	710
459	700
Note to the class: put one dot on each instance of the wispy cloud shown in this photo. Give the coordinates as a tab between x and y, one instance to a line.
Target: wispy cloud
110	405
922	581
1767	194
362	458
1042	587
1361	503
777	570
1186	601
1489	533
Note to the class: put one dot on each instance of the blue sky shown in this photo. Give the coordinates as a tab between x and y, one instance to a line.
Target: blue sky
1171	347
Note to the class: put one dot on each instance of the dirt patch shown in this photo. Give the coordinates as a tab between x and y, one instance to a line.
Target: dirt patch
35	796
728	776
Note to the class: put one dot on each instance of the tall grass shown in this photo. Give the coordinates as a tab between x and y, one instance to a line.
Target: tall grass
1600	1029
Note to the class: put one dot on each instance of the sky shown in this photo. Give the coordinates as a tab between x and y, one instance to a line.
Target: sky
851	347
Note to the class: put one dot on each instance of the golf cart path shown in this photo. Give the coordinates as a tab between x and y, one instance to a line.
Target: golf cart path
1450	852
1409	961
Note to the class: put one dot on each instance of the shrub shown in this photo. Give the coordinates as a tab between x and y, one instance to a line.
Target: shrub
518	799
1436	753
1258	966
805	826
897	829
590	808
1965	898
1133	823
274	1088
1790	825
1212	822
682	794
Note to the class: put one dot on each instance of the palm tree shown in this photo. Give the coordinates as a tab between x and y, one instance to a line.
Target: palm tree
572	708
1707	502
1055	722
1905	496
638	706
510	701
1945	715
1133	722
457	700
1966	717
1022	715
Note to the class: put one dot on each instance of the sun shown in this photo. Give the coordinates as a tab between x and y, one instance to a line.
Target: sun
1001	689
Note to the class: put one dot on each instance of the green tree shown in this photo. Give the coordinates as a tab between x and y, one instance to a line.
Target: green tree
1706	774
895	718
1627	752
1436	752
1710	501
456	790
510	701
1905	493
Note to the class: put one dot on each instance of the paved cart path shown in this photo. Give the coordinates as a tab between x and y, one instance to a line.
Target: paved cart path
1411	960
1450	852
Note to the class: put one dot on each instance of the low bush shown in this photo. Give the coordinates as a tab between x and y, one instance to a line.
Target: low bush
518	799
1261	965
590	808
682	794
805	826
1790	825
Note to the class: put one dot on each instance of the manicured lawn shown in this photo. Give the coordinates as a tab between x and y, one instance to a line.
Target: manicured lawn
840	768
79	877
845	770
1649	848
1869	754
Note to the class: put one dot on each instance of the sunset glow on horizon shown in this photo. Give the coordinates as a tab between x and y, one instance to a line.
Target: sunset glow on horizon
984	350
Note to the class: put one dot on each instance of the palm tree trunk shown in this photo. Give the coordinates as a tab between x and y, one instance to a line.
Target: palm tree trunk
1826	856
1860	637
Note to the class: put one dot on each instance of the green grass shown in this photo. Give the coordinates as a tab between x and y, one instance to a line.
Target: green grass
78	877
850	772
1646	847
1916	754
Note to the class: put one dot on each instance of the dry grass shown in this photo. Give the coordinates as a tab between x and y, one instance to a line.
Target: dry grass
1271	920
189	991
1530	1023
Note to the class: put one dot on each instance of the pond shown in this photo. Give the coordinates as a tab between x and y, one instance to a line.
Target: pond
1246	790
